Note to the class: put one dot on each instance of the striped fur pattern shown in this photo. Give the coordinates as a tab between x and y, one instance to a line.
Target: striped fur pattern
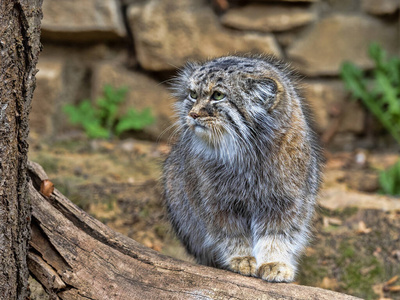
241	181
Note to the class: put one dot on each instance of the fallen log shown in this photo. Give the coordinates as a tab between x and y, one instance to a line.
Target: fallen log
75	256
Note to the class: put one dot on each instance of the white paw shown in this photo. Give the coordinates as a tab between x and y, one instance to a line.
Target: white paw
276	272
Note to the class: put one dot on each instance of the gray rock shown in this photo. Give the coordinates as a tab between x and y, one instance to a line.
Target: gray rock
342	6
143	92
338	38
381	7
267	18
329	101
82	20
286	38
49	86
167	33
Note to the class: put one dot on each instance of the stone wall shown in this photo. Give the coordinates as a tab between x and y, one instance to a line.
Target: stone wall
141	43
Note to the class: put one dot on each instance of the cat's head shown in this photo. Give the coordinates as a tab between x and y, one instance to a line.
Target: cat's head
226	101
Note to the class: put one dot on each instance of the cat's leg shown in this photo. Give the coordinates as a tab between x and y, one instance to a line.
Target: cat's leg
276	255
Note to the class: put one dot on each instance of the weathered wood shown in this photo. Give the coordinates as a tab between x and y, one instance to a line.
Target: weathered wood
45	273
19	50
94	262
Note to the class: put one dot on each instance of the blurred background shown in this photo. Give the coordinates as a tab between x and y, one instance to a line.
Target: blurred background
102	111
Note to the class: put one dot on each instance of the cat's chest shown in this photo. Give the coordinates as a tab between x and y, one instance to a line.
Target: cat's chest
227	188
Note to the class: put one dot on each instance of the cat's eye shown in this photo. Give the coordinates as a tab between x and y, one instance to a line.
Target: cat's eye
193	94
218	95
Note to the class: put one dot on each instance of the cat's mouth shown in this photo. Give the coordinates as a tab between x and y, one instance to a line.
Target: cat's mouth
204	128
199	129
196	124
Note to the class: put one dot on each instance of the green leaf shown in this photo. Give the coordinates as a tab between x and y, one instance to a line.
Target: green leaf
116	95
101	121
377	54
381	93
389	180
134	120
78	113
353	78
94	130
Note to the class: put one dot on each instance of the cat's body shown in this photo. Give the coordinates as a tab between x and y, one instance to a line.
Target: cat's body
241	181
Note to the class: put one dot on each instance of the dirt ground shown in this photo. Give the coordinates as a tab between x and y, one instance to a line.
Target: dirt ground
356	243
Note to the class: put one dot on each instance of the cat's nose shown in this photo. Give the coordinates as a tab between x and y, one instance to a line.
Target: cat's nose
194	115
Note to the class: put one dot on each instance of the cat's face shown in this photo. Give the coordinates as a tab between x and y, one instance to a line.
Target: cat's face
209	106
221	101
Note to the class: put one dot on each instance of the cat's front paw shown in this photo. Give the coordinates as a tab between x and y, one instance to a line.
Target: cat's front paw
276	272
245	265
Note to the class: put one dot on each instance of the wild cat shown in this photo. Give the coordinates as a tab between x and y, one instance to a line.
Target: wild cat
241	181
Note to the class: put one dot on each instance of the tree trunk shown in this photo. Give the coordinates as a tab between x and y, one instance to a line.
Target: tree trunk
19	50
74	256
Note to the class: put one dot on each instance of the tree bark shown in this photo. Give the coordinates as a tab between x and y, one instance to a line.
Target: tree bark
74	256
19	50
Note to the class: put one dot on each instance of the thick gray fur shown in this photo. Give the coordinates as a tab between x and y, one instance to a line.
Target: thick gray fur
241	181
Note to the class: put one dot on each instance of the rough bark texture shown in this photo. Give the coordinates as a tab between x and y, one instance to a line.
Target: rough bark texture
19	50
74	256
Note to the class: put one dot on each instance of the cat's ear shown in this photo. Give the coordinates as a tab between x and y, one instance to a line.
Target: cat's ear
179	84
265	90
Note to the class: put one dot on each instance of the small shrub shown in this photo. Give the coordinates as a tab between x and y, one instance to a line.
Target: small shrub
389	180
380	93
102	120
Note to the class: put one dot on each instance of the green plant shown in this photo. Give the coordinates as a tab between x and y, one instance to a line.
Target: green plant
103	119
389	180
380	93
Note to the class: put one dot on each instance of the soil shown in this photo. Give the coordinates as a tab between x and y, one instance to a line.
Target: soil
356	243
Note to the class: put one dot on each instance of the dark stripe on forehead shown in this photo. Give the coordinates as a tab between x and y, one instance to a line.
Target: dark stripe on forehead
229	61
218	65
218	85
200	76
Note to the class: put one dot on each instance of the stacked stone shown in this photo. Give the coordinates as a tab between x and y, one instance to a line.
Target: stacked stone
138	43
